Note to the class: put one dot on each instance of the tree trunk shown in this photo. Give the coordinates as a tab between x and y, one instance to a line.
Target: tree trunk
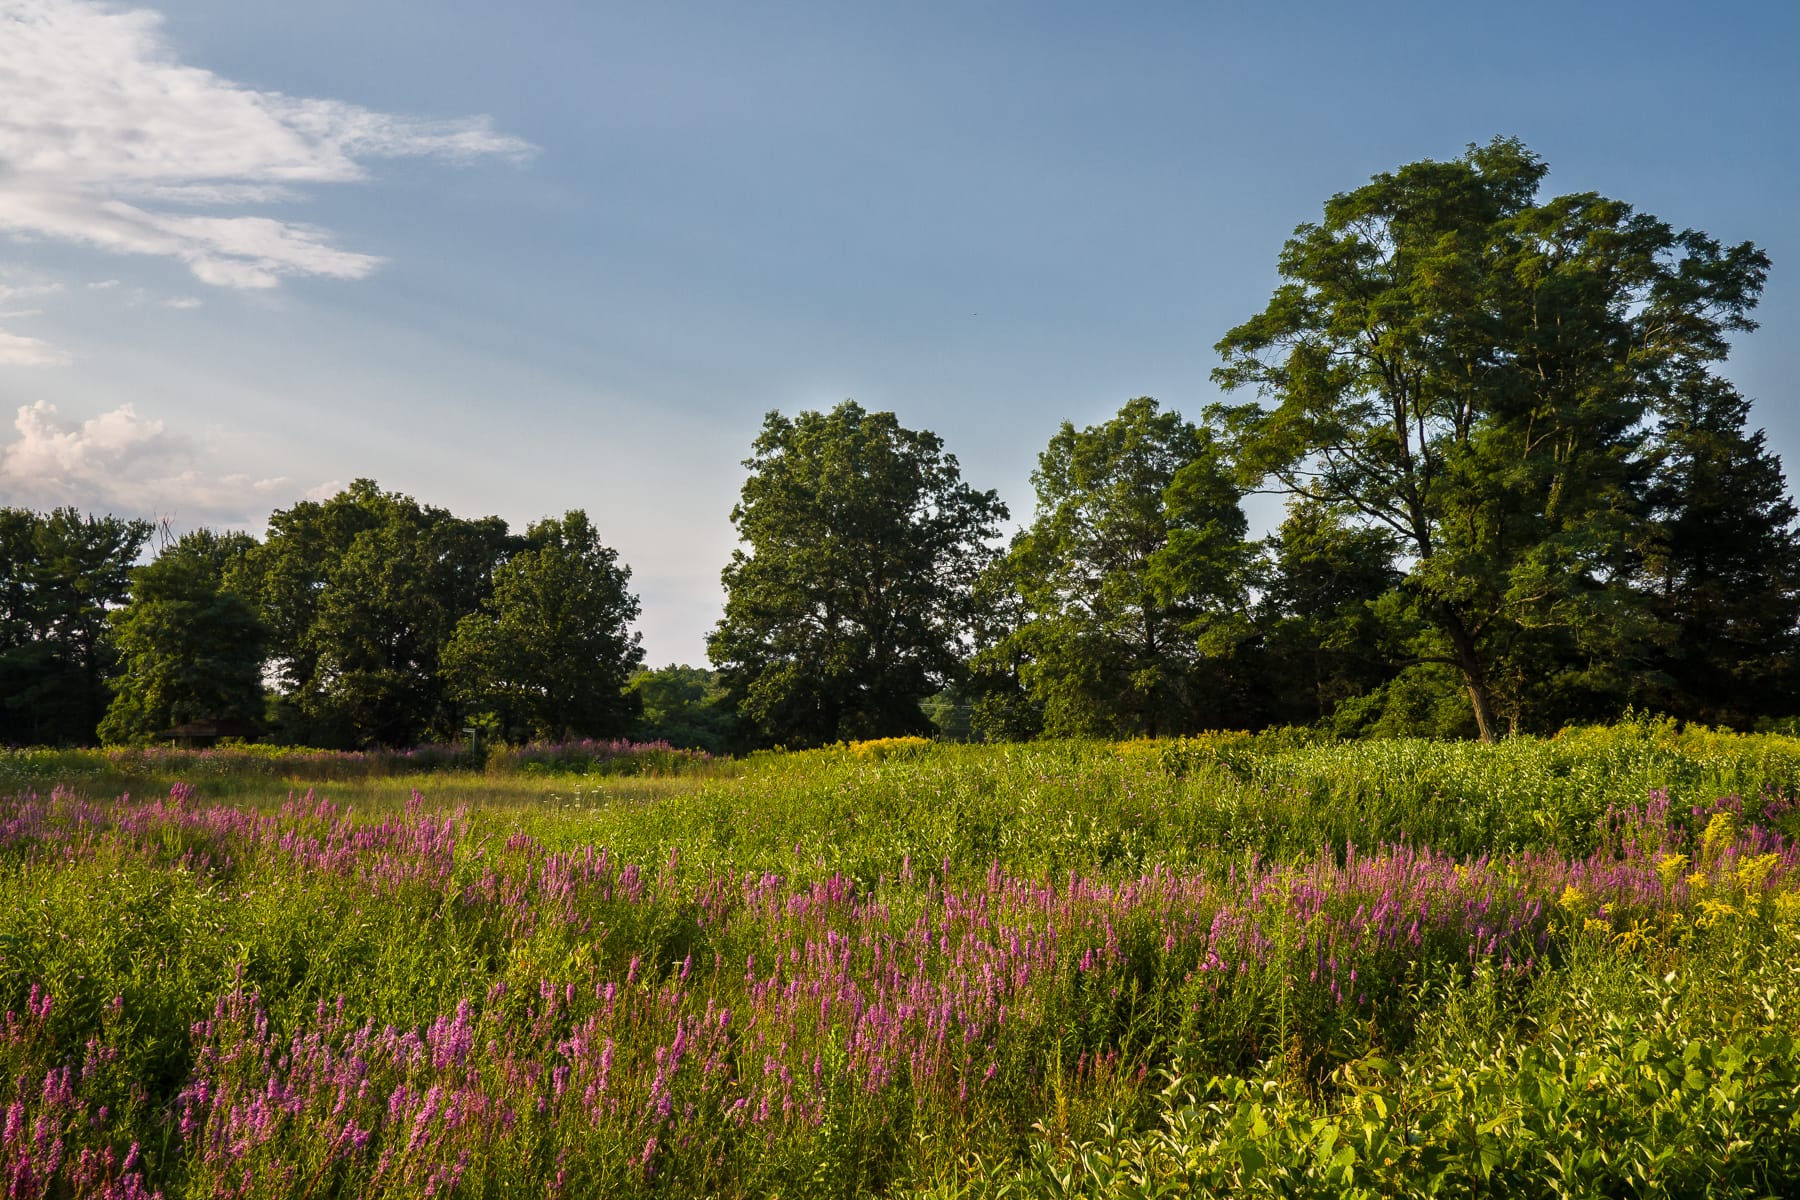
1469	663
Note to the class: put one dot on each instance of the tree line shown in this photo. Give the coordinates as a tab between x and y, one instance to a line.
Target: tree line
364	619
1518	493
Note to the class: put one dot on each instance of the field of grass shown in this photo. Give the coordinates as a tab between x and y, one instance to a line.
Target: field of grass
1222	966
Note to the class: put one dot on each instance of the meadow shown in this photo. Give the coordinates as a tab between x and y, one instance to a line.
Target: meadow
1227	965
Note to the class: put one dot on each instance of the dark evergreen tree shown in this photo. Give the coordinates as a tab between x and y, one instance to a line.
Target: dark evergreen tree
1722	564
61	575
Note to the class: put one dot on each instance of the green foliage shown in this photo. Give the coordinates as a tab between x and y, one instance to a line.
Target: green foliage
951	713
1658	1091
550	650
851	603
1473	369
1722	563
360	594
686	707
1649	1050
1136	554
190	649
61	573
1324	641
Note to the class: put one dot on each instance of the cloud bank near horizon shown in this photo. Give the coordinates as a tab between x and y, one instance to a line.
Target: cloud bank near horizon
107	140
129	465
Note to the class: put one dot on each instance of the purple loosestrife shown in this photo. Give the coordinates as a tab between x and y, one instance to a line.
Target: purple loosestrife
616	1024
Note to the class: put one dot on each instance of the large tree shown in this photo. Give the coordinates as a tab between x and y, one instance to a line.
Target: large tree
360	593
550	651
1136	550
1474	368
61	575
849	603
191	649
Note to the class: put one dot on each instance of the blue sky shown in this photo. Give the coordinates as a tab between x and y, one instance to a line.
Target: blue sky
520	259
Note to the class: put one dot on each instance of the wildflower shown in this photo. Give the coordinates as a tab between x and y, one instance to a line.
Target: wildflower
1753	872
1669	868
1712	912
1721	832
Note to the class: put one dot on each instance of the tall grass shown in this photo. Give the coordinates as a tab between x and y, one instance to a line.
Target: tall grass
957	970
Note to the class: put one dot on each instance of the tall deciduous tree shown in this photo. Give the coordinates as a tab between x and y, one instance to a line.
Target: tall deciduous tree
191	650
1137	546
1473	368
550	651
850	603
360	593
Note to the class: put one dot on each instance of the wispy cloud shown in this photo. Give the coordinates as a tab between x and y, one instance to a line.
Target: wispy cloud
107	140
17	349
127	464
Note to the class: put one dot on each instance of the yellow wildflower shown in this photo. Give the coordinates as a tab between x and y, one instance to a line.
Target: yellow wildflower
1669	868
1721	832
893	747
1752	873
1712	912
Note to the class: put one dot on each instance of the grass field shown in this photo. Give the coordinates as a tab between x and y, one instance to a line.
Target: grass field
1232	965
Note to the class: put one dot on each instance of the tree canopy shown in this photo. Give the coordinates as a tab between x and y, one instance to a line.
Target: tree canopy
550	651
61	574
850	601
1323	639
686	707
1137	545
191	649
1521	493
360	594
1474	368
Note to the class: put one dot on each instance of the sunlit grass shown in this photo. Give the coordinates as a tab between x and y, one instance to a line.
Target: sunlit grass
949	970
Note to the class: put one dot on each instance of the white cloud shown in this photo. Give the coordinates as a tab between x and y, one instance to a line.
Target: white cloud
17	350
123	463
102	130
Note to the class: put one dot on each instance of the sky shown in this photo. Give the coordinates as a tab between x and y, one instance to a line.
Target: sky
519	259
